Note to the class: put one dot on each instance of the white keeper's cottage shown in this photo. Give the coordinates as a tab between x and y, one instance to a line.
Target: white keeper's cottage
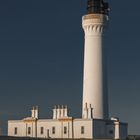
63	126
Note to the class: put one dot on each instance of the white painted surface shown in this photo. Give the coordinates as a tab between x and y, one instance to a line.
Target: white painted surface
93	82
93	128
88	128
60	112
34	112
67	127
16	124
117	130
22	128
73	128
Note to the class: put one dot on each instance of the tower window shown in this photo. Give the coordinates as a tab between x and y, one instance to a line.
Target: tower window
29	130
15	131
65	130
53	130
41	130
82	129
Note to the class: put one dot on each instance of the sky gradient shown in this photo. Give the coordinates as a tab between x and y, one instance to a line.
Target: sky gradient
41	58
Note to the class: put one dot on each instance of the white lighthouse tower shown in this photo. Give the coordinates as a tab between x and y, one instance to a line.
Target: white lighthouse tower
95	104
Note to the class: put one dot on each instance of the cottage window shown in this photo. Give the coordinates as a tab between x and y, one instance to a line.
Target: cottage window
41	130
15	131
82	129
29	130
65	130
53	130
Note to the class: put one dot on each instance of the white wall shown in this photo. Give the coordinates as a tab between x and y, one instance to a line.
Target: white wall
73	128
21	127
47	128
93	79
59	128
98	129
87	123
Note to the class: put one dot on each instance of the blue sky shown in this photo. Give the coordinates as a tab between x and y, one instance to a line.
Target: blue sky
41	58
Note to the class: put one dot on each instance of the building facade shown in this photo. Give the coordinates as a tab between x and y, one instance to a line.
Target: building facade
63	126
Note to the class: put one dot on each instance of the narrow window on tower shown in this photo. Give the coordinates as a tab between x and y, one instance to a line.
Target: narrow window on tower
15	131
65	130
53	130
41	130
29	130
82	129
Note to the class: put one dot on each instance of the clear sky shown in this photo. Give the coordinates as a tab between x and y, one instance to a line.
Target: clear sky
41	58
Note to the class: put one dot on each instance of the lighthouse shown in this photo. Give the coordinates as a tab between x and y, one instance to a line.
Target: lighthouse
95	100
95	122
